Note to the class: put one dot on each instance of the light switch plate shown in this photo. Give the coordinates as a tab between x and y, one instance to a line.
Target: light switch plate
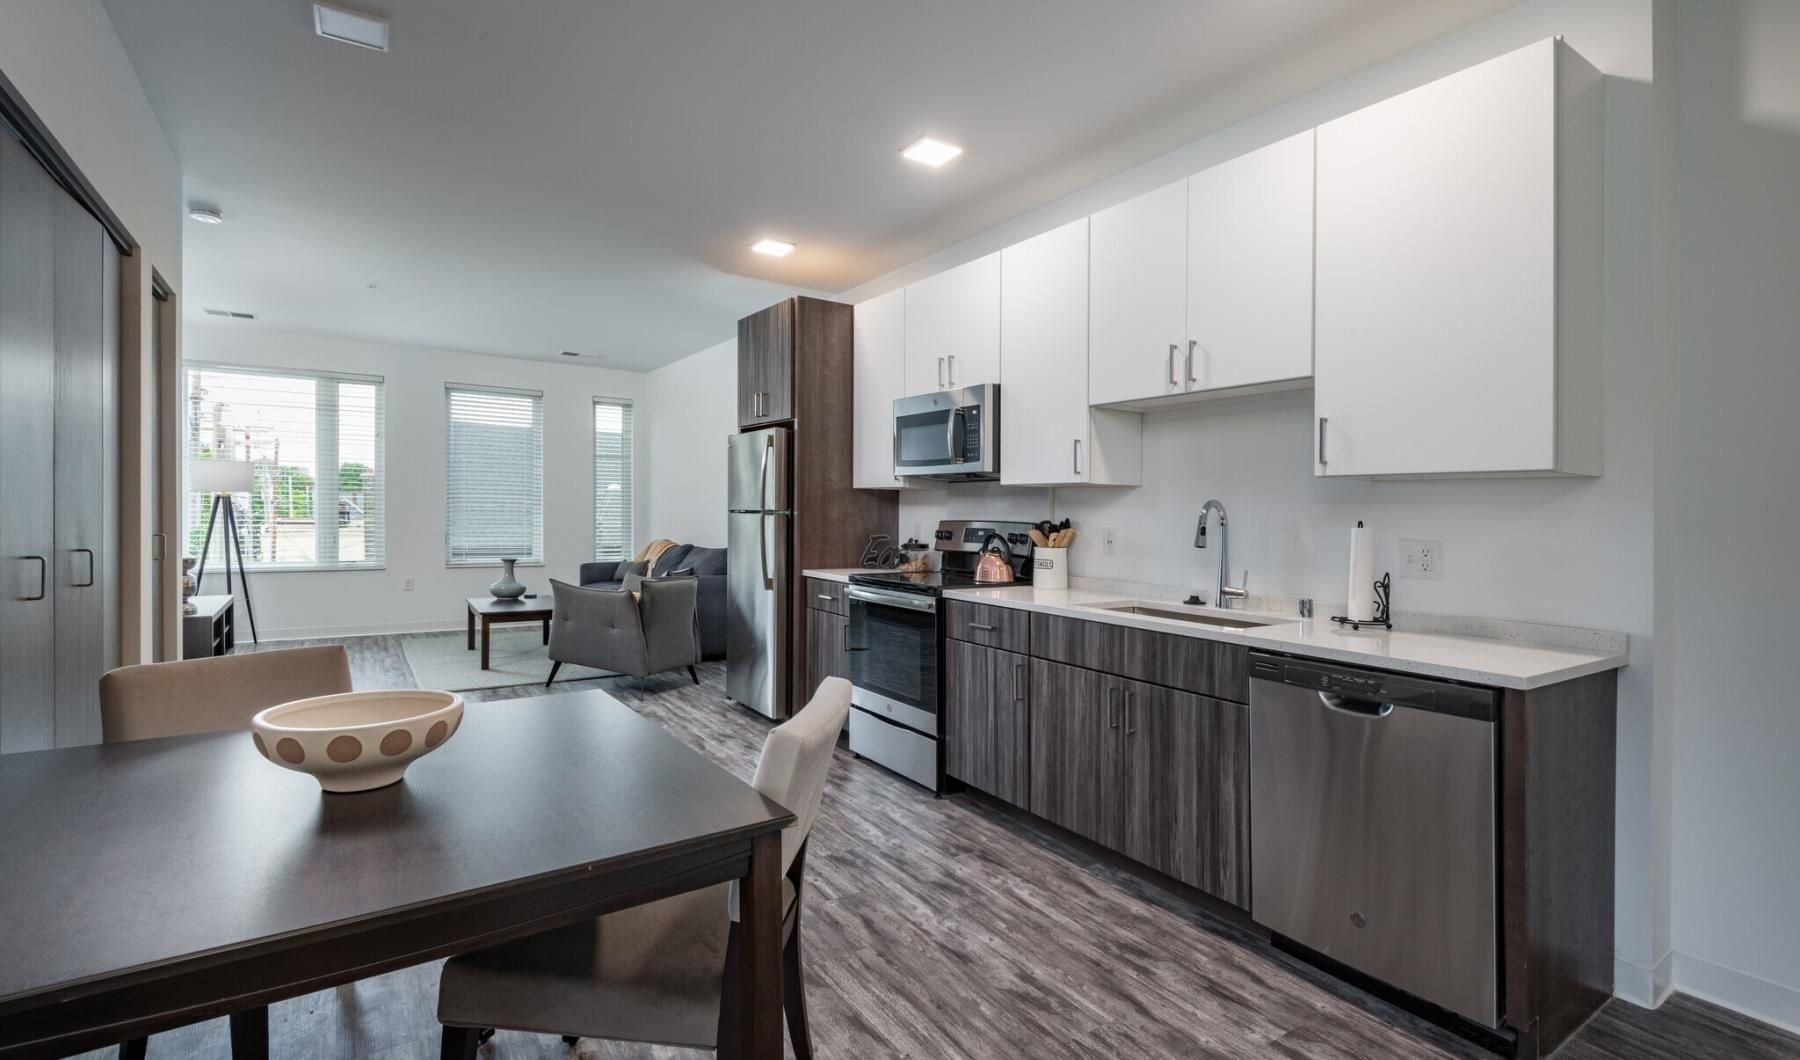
406	585
1421	558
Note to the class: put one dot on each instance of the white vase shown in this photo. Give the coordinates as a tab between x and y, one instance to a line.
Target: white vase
508	587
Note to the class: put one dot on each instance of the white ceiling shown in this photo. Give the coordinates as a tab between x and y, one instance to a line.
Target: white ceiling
522	178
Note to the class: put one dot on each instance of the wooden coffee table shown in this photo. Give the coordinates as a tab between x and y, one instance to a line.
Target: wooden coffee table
492	612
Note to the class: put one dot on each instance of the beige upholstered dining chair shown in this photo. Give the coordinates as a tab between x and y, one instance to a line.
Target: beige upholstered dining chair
215	695
655	973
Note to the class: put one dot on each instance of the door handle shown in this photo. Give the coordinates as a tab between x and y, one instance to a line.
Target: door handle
1189	370
89	553
1370	709
1112	708
1076	457
984	627
845	640
1322	441
43	577
1172	379
1018	680
762	549
1131	712
157	545
952	360
941	383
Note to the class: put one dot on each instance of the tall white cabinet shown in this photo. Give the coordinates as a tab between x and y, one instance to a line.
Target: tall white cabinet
878	377
1048	433
953	328
1459	286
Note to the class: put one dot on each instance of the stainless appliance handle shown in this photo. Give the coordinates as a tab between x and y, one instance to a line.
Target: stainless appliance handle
1369	709
1322	440
1172	380
43	577
884	598
951	445
89	553
1131	712
1189	370
762	549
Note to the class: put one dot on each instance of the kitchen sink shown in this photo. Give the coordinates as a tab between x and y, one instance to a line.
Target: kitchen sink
1199	618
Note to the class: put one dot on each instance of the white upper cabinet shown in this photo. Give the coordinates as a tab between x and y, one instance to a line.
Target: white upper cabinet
1459	286
953	328
1250	269
1048	434
878	377
1137	298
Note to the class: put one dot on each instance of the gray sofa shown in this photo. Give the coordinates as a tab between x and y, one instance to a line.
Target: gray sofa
707	564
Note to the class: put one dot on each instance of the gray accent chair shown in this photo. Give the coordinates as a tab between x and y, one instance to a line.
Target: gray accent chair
609	629
707	564
659	972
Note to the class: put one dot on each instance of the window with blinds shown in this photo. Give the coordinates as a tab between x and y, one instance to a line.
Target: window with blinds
493	475
612	478
316	446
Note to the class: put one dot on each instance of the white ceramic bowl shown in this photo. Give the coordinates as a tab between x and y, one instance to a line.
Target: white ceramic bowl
356	741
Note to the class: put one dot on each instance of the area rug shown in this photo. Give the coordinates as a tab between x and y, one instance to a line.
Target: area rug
516	657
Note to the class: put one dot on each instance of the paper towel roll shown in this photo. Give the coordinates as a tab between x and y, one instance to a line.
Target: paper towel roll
1362	574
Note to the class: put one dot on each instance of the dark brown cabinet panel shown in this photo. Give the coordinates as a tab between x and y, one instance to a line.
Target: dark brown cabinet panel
825	654
987	707
995	627
766	365
1207	667
827	596
1186	811
1073	748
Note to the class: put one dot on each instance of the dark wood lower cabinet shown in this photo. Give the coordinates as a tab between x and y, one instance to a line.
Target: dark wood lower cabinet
825	654
987	708
1072	748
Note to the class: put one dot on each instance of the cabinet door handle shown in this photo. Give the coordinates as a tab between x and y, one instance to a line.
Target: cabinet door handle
1018	680
1112	708
89	553
982	626
1172	380
1189	370
43	577
941	383
827	597
1322	441
1076	457
1131	712
952	360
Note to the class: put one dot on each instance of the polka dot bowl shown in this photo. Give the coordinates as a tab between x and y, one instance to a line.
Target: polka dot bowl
356	741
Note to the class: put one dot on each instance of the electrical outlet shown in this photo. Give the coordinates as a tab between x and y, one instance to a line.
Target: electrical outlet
1109	542
1420	558
406	585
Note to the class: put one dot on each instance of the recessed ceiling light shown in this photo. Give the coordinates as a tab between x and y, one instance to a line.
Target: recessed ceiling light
350	27
774	248
930	151
206	215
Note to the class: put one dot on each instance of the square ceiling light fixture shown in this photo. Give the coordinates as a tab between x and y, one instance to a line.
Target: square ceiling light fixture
930	151
351	27
774	248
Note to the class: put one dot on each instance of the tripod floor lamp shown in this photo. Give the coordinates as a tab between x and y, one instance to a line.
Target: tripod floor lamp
222	478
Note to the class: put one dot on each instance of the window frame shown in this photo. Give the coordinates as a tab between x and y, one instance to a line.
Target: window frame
629	406
323	492
538	545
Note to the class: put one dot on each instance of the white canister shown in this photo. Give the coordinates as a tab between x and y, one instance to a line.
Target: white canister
1050	568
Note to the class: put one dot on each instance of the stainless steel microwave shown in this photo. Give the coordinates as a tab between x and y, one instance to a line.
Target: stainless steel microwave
952	434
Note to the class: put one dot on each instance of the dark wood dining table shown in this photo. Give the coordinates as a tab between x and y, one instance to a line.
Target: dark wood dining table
148	885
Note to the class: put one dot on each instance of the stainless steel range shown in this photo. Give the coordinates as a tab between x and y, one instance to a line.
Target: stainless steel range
896	648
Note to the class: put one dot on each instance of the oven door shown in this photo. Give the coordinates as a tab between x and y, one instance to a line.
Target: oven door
894	656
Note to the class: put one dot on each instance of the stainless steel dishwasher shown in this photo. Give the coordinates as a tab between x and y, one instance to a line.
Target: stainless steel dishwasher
1372	826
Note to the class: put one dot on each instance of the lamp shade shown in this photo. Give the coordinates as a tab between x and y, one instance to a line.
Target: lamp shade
221	476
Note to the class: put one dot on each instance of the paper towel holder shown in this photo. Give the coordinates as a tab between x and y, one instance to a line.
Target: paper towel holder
1384	586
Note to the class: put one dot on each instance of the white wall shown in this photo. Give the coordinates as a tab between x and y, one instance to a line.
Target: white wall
1737	573
691	408
327	603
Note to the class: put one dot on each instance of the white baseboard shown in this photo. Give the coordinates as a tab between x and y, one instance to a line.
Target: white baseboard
317	632
1645	987
1741	992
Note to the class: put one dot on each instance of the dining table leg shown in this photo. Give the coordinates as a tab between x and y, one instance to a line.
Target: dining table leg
759	1008
471	629
487	639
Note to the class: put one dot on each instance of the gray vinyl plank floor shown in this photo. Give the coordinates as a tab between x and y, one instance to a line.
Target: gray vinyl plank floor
950	928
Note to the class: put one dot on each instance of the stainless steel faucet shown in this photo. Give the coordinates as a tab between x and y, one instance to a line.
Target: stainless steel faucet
1223	594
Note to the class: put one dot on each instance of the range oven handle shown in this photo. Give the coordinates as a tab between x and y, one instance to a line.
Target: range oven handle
880	598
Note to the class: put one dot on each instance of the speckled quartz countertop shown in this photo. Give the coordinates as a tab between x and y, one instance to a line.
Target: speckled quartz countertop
1502	661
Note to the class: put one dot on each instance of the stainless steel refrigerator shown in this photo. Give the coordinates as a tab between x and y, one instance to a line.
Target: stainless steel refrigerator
760	540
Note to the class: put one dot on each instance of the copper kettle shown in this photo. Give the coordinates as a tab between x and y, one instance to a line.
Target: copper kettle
995	565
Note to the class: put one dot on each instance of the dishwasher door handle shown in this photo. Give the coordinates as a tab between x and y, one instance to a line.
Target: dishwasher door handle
1373	710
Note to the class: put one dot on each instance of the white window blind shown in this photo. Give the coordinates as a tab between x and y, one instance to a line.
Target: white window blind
315	440
612	478
493	475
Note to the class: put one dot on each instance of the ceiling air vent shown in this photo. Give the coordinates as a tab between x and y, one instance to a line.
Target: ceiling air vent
229	314
350	27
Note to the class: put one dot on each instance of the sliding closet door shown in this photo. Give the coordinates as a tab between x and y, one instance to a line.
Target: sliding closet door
80	472
27	422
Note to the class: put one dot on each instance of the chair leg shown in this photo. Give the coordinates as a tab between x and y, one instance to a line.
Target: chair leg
571	1040
554	666
793	995
695	674
250	1034
460	1043
134	1049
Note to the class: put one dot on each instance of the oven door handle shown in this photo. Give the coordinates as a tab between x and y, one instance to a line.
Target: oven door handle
886	599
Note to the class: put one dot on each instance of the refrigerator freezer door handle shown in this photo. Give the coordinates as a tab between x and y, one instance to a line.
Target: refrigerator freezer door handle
762	549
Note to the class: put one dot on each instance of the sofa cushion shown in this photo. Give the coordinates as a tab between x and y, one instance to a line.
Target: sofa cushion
671	559
705	561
